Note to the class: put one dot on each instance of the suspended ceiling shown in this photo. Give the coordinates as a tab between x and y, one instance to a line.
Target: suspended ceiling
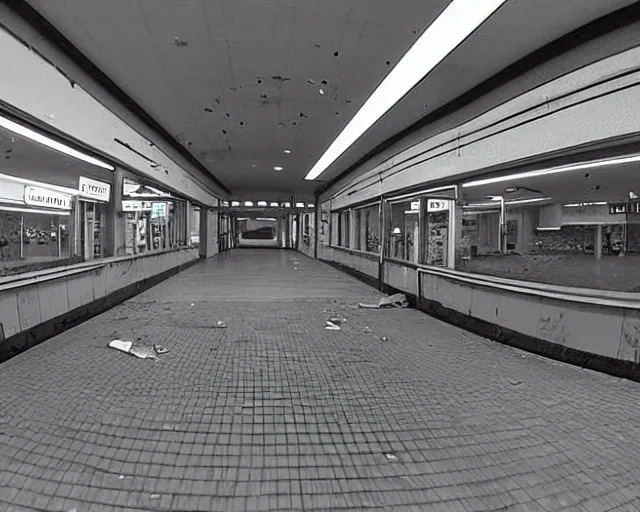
237	82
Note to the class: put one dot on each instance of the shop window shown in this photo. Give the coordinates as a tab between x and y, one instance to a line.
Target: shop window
404	230
437	230
92	229
194	226
306	228
34	240
367	228
575	227
340	228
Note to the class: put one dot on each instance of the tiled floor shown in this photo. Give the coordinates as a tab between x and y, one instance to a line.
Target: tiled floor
277	413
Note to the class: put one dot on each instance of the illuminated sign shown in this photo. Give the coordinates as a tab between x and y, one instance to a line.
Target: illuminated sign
158	210
37	196
437	205
93	189
137	206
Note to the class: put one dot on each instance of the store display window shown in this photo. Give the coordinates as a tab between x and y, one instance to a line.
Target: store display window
367	228
155	220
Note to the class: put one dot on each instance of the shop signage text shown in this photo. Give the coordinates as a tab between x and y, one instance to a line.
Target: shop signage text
37	196
94	189
158	210
136	206
437	205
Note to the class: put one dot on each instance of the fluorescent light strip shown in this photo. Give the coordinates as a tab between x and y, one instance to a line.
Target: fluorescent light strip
64	190
50	143
459	20
522	201
64	213
554	170
576	205
548	229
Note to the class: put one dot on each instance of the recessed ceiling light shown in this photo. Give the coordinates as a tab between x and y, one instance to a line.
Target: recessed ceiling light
277	168
459	20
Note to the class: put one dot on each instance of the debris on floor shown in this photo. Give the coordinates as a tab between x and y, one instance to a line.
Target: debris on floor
367	330
337	320
220	325
515	382
391	457
398	300
384	338
155	497
331	326
122	346
160	349
143	352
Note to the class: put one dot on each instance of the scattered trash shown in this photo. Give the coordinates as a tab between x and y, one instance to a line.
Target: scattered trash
122	346
332	327
160	349
192	304
515	382
337	320
220	325
155	496
399	300
384	338
143	352
367	330
121	477
179	42
391	457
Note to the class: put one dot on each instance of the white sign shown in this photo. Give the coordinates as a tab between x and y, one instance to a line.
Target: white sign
437	205
38	196
94	189
136	206
415	205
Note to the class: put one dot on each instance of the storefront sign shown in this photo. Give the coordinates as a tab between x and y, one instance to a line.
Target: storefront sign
94	189
158	210
37	196
618	208
437	205
136	206
415	205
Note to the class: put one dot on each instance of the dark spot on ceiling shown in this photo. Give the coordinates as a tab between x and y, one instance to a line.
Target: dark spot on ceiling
295	123
217	101
317	45
348	101
587	175
7	157
597	187
208	110
166	171
337	113
9	151
227	114
259	81
241	123
180	42
303	115
335	54
263	96
189	143
324	82
224	131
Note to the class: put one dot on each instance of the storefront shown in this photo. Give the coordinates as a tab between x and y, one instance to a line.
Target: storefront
91	213
154	219
36	225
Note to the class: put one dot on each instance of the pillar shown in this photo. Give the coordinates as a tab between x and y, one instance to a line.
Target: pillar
208	232
115	218
598	245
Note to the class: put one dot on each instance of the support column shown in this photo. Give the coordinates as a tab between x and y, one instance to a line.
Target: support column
598	247
115	236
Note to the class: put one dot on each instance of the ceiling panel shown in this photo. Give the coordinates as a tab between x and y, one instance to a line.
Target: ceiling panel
238	81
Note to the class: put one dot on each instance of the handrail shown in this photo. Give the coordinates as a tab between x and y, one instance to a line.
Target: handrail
606	298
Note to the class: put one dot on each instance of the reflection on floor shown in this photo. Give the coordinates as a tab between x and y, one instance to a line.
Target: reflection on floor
277	413
610	273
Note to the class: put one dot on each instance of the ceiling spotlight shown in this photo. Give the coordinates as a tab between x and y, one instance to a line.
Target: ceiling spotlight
277	168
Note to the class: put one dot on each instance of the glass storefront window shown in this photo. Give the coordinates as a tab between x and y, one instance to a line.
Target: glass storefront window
32	240
341	228
367	230
194	228
404	230
437	231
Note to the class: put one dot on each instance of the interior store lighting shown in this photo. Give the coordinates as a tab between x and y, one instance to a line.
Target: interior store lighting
554	170
576	205
50	143
63	213
455	24
262	203
523	201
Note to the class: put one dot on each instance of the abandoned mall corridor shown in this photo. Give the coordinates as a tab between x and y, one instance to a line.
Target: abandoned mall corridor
395	411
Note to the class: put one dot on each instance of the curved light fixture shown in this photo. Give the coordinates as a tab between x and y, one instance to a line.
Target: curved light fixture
457	22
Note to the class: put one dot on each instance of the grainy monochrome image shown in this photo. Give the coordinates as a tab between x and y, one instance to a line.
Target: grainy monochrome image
319	256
